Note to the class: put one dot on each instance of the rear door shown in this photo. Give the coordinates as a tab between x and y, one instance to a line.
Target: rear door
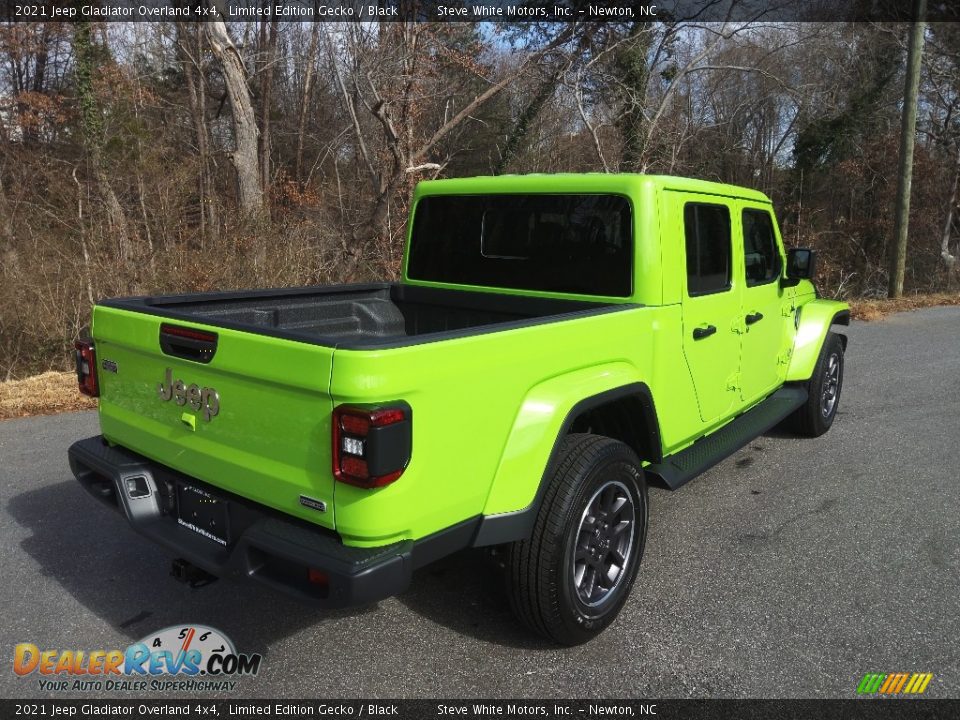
711	302
251	417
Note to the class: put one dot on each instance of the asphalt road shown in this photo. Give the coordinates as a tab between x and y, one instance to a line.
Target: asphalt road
789	570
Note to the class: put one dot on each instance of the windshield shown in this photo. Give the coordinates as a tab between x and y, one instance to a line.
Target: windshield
555	243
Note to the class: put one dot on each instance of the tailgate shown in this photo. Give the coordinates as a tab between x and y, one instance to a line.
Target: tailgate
268	433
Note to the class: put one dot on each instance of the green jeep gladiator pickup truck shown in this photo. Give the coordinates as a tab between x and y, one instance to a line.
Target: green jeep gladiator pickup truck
555	342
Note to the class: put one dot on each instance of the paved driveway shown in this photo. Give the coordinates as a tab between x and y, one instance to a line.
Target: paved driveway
791	569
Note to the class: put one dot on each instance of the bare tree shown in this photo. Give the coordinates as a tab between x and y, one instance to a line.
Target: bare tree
309	62
244	157
948	258
268	50
93	139
114	144
386	91
189	42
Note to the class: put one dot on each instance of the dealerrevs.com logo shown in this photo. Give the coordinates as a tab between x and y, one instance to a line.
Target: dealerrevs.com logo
188	658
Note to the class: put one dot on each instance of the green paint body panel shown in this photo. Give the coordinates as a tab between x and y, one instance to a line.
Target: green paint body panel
487	407
270	441
816	317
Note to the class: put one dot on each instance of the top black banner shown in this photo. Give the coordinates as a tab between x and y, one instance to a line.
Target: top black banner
548	709
479	10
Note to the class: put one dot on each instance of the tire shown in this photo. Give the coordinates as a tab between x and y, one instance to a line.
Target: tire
816	416
595	481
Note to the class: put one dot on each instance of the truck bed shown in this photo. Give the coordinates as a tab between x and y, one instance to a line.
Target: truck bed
362	316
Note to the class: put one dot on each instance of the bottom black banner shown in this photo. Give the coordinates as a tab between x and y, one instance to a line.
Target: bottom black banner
472	709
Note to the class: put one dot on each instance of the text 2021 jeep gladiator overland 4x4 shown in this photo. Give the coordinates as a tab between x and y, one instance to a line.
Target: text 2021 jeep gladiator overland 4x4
555	341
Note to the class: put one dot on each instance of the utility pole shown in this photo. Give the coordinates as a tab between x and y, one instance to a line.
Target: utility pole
908	131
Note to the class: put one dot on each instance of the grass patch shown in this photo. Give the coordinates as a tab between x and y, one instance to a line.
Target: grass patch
869	310
45	394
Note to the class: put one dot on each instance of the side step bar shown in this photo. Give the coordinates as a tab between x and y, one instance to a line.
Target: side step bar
679	469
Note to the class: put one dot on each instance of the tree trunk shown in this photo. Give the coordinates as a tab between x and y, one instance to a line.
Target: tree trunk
92	125
908	131
244	157
190	54
310	64
519	131
948	259
630	62
40	72
266	101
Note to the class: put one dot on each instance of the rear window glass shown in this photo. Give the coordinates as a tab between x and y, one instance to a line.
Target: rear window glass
555	243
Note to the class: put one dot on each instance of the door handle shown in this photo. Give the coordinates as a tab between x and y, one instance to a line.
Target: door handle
701	332
753	318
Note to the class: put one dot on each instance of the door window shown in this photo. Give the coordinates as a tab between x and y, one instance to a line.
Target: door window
707	231
761	258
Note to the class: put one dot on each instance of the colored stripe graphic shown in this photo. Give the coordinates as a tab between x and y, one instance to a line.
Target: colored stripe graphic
914	683
894	683
871	683
898	684
889	683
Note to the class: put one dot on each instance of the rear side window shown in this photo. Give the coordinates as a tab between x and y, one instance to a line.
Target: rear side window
579	244
707	231
761	257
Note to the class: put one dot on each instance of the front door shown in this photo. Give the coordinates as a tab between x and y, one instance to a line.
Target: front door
765	323
711	302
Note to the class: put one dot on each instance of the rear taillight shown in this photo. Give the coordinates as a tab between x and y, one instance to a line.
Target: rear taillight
371	444
86	359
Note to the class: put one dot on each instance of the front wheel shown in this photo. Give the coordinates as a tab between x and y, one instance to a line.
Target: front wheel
816	416
571	578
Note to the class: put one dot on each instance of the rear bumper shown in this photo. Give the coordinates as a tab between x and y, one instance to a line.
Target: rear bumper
263	546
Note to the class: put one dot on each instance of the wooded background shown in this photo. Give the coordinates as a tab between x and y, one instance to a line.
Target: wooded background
162	157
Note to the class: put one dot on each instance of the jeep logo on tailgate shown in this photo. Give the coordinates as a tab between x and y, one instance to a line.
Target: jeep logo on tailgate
193	395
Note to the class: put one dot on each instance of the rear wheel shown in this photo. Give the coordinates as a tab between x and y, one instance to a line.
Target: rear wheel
816	416
572	577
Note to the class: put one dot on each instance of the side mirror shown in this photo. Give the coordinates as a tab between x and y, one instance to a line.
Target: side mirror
801	265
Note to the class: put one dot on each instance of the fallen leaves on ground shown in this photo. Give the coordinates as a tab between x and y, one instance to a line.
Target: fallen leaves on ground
45	394
878	309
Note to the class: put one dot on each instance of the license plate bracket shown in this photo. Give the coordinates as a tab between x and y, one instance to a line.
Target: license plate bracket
203	513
